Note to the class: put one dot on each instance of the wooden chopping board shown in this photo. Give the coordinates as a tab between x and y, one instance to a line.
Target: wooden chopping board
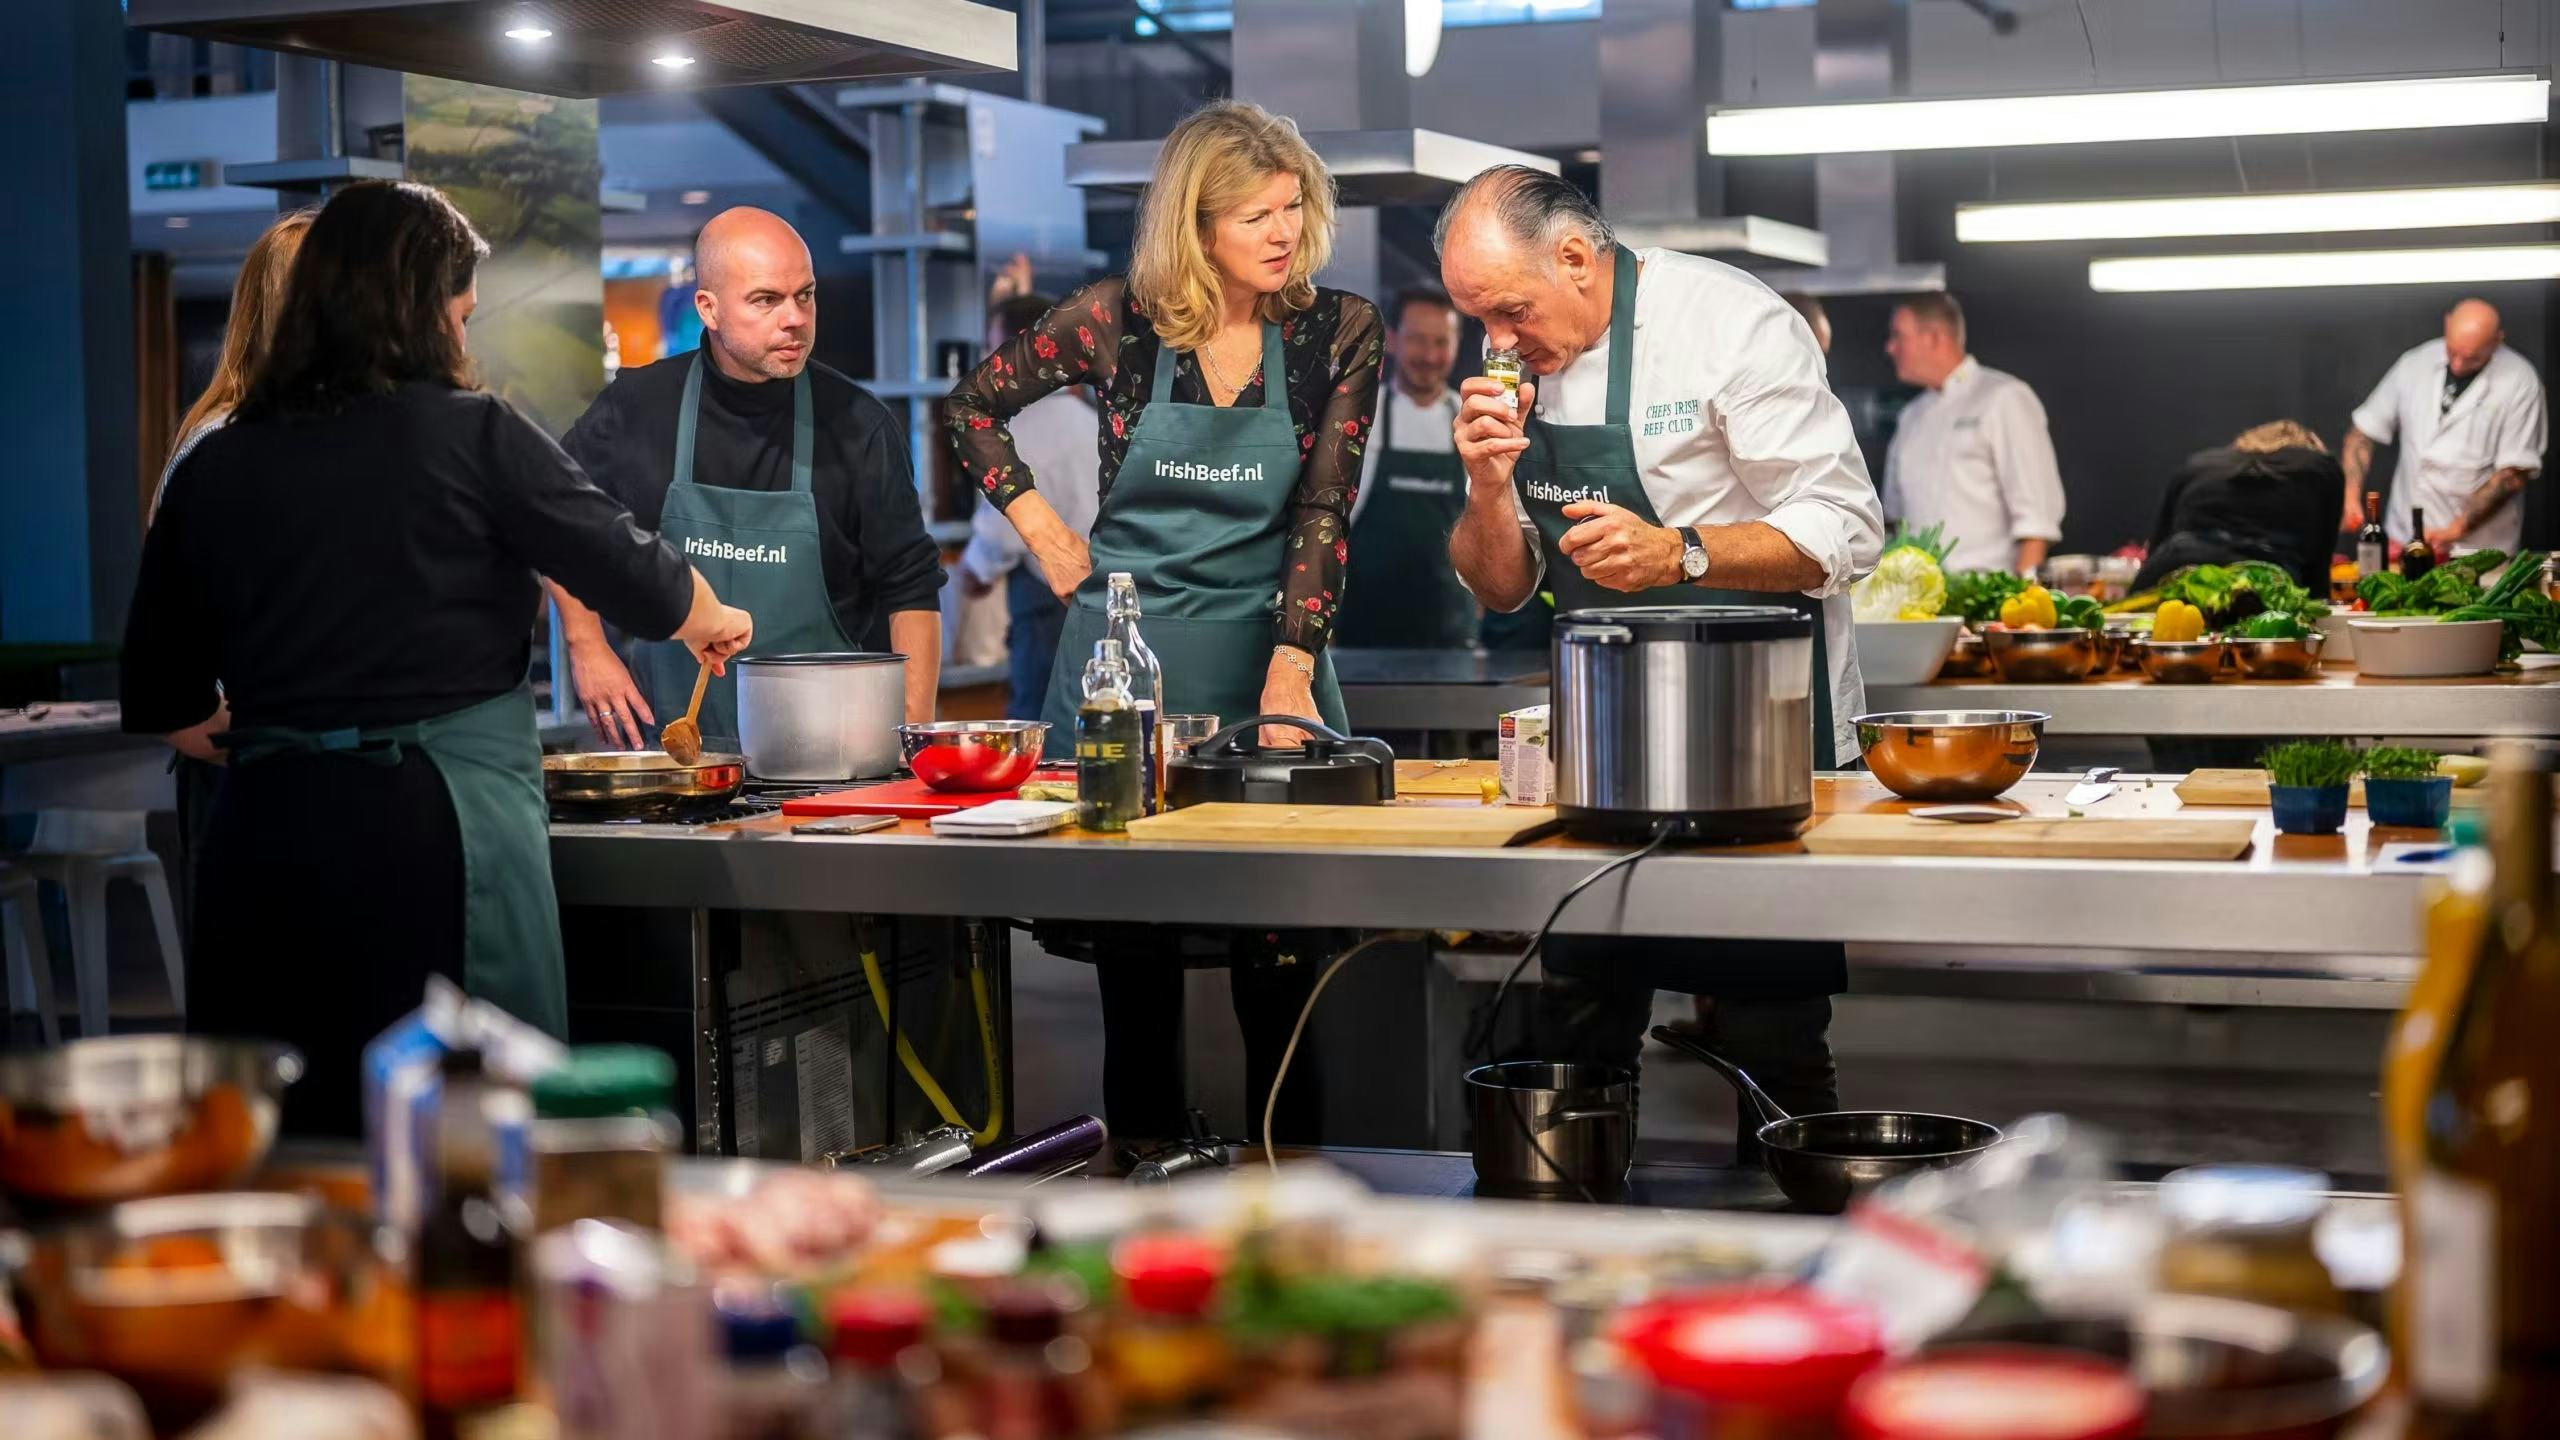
1475	827
2248	789
1462	778
2034	838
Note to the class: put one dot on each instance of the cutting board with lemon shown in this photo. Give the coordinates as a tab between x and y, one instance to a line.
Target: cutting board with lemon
2248	788
1449	778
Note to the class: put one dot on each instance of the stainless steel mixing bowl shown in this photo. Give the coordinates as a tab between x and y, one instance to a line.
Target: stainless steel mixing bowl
1950	755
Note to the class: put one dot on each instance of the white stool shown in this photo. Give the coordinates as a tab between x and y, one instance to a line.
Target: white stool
82	850
30	959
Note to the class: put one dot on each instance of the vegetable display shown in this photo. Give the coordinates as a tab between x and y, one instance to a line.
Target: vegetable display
2270	625
2312	764
2452	591
2228	594
1977	595
2177	621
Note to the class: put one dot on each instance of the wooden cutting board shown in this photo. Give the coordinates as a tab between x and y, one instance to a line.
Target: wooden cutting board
1464	778
1484	827
2038	838
2248	788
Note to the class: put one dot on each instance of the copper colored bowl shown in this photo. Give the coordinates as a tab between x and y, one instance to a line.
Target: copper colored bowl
2286	658
1950	755
2043	657
2182	662
1969	660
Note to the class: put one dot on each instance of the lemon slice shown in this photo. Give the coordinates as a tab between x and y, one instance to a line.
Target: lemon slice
1906	585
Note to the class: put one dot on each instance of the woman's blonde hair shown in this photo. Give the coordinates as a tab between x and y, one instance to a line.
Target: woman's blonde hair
257	298
2279	435
1213	161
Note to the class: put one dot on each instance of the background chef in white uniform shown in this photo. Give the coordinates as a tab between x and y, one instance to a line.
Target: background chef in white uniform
2469	418
1974	453
1740	474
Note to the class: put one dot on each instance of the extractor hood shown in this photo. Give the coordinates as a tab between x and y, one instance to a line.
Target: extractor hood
607	47
1370	167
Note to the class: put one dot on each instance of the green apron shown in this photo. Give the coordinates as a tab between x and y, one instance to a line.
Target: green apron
490	756
1569	463
1402	593
759	550
1199	515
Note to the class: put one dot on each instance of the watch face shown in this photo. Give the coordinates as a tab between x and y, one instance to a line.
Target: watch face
1693	562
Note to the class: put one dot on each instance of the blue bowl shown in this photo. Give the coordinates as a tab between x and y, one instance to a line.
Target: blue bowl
2310	809
2417	804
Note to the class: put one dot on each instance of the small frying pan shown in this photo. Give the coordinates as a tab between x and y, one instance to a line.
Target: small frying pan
1822	1162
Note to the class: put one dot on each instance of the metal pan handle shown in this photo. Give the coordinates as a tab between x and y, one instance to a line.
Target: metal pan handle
1751	1091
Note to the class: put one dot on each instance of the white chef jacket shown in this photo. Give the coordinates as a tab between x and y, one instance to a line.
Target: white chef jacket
1059	439
2498	423
1431	429
1734	420
1975	456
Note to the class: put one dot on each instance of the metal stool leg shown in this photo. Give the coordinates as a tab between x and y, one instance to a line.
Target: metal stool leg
145	870
85	884
30	959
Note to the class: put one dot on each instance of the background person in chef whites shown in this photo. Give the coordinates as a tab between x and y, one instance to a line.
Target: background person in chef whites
1402	593
2469	418
1697	399
353	558
1236	402
785	482
1974	453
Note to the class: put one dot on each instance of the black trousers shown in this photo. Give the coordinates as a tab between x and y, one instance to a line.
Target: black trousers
1142	969
1034	616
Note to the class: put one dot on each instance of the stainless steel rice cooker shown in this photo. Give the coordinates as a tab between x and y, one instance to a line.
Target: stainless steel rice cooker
1700	715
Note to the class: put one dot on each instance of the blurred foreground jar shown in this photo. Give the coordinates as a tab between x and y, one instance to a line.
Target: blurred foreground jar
1750	1363
602	1130
2244	1232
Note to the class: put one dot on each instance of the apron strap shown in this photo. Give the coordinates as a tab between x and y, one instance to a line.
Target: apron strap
804	425
688	410
374	747
1622	337
1274	368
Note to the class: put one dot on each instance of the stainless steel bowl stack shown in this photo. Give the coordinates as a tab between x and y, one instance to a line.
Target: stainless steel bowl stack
1950	756
2285	658
122	1116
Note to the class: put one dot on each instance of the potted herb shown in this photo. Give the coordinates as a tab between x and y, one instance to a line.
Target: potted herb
2308	781
2402	787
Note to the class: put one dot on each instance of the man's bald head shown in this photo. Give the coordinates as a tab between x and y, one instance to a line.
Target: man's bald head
2472	334
757	293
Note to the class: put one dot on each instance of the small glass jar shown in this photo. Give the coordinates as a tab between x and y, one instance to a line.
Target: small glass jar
600	1137
2244	1232
1502	366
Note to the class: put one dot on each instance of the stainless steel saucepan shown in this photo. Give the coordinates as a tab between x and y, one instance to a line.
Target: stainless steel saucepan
1822	1162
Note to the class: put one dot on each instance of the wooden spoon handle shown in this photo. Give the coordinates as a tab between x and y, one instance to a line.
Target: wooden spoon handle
701	678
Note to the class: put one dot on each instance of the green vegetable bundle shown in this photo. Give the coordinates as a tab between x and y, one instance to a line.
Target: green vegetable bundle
2270	625
2453	591
1976	594
2229	594
2311	764
2078	612
1931	542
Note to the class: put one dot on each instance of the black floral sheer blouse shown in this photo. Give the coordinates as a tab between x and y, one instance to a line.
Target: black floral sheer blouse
1098	337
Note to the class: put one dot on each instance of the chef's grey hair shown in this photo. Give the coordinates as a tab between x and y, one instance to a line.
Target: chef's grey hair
1534	209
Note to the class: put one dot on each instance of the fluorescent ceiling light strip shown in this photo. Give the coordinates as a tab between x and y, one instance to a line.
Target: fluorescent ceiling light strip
2299	214
2454	265
2300	109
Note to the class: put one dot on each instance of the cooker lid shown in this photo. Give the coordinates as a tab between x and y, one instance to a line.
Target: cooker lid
1708	624
839	657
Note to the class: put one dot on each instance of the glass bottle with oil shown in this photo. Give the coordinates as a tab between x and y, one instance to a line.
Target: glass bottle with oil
1502	366
1110	745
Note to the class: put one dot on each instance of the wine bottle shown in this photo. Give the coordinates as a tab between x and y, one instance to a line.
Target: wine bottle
2373	549
2417	557
2482	1304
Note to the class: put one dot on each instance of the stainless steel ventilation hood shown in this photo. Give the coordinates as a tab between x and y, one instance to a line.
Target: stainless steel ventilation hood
1370	167
606	47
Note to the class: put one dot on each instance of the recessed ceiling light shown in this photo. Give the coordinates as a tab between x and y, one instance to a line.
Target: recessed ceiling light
696	197
2454	265
672	62
177	222
529	34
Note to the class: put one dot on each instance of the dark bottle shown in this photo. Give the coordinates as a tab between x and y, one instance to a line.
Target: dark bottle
470	1317
2417	557
1110	745
2373	548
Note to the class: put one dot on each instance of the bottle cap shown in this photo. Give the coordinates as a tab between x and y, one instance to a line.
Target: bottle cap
1173	1275
874	1327
754	1328
1106	652
603	1080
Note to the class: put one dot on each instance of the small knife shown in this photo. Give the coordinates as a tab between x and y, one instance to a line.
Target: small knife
2095	786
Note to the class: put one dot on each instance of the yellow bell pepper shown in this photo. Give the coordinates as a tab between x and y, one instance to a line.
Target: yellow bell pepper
2176	621
2029	609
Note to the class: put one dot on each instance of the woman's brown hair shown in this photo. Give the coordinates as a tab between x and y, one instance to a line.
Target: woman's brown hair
365	309
2278	435
1213	161
257	299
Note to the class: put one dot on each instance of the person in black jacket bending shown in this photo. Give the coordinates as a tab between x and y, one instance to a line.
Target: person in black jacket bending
2271	494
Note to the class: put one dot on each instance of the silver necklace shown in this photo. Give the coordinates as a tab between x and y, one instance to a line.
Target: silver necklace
1219	375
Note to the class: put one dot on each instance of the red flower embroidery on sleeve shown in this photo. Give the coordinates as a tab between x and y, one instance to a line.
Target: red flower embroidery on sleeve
980	422
1314	606
1100	315
1351	428
1046	348
1084	337
1341	552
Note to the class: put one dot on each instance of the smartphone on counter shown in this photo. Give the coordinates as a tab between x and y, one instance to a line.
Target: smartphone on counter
845	825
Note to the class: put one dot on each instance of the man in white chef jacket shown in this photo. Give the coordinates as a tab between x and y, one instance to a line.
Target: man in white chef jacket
2468	415
1973	453
1695	398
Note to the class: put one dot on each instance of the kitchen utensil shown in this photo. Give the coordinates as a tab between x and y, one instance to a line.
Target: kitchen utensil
123	1116
638	785
1969	660
821	716
2421	647
2181	662
1449	779
2035	837
1905	652
2042	657
682	739
1699	716
1823	1161
908	799
1442	827
1327	768
2288	658
2095	786
1965	814
1043	1154
973	756
2217	1369
845	825
1950	754
1583	1118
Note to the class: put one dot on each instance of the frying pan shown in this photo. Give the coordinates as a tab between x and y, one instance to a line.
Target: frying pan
1822	1162
638	785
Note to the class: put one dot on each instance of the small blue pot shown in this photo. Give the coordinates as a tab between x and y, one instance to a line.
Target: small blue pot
2310	809
2418	804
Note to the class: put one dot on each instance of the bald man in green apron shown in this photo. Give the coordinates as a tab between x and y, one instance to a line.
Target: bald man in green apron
1680	446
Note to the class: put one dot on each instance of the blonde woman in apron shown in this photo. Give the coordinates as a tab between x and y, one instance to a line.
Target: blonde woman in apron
1237	399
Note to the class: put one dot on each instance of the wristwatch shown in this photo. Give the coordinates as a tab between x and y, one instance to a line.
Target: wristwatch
1693	561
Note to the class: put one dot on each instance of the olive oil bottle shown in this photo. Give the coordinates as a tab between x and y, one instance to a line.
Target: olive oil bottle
2483	1306
1110	745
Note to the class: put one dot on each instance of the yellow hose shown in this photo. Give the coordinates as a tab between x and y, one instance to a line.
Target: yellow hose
914	1064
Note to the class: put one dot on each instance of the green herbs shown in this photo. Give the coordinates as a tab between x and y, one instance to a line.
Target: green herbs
2229	594
2453	591
2077	612
2311	764
2400	762
1977	594
2270	625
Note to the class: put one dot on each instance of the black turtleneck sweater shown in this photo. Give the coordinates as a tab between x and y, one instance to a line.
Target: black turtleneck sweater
872	544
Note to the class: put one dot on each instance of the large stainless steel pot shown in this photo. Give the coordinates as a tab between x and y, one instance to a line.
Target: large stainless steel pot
1583	1118
821	717
1698	715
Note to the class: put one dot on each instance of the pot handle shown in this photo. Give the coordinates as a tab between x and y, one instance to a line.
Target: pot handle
1769	1109
1555	1118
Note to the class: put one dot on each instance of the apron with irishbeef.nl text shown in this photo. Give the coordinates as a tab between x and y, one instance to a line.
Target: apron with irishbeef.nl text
1402	593
1198	515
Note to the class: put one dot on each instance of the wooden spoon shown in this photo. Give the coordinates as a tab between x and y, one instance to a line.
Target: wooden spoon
682	739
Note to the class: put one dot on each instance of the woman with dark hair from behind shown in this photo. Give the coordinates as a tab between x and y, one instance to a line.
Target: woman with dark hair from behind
2271	494
353	557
